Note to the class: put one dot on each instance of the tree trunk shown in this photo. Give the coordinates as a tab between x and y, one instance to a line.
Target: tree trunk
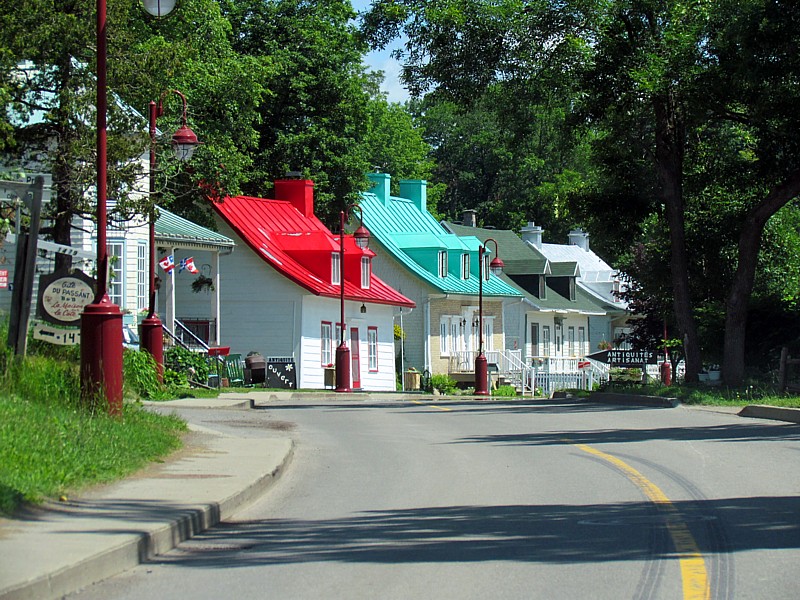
63	168
669	166
742	285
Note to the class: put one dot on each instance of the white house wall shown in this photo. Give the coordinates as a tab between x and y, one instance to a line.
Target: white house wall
260	310
317	310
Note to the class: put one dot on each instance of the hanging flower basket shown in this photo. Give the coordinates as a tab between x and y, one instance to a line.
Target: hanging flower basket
203	283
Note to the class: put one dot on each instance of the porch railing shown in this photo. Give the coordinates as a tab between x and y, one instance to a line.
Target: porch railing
544	374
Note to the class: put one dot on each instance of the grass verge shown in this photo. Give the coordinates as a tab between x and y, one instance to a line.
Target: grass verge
714	396
49	450
52	444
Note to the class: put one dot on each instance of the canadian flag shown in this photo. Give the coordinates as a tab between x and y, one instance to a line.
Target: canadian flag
188	264
167	263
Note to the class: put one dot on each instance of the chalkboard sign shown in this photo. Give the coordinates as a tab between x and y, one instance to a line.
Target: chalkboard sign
281	373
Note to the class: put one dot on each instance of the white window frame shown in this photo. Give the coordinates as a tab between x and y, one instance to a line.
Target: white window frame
326	344
336	268
486	270
465	266
535	339
571	340
142	277
444	337
366	271
116	275
488	333
581	341
443	263
372	349
545	340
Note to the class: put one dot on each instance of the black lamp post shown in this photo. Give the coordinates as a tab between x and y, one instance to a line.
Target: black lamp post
184	143
481	367
361	236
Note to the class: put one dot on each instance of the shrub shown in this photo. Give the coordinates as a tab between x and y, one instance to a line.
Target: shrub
444	383
188	364
505	390
139	375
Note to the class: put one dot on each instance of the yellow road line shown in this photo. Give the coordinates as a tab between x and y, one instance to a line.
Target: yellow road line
431	405
693	567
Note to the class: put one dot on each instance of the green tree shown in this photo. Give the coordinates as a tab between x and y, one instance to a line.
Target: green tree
662	74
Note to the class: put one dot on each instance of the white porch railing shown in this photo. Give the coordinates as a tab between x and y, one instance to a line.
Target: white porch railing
544	374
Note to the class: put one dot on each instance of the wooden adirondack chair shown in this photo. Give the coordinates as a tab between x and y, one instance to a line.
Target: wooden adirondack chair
234	368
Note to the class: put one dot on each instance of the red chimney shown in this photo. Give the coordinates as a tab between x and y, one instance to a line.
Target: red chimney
300	192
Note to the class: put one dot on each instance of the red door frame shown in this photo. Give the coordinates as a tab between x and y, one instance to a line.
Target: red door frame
355	358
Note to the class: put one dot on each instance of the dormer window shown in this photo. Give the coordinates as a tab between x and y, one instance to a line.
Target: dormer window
366	271
442	263
572	289
336	269
465	266
542	287
486	270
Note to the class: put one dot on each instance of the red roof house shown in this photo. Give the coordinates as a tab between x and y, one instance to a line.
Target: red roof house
282	298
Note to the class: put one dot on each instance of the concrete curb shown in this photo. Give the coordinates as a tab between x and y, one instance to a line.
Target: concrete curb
136	519
632	400
777	413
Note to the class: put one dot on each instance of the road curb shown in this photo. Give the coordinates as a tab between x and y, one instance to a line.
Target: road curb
776	413
130	540
632	400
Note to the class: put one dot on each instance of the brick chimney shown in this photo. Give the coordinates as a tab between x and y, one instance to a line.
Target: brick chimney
380	186
415	190
300	192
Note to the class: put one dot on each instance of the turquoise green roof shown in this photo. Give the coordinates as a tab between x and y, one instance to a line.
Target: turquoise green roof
415	238
170	228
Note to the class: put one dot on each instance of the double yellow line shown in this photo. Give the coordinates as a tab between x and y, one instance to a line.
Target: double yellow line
693	567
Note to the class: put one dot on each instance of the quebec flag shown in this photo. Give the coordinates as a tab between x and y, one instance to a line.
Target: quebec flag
188	264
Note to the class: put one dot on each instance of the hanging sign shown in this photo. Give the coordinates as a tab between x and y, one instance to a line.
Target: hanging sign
626	358
62	296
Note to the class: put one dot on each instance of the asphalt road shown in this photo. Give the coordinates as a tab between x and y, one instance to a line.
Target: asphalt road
548	499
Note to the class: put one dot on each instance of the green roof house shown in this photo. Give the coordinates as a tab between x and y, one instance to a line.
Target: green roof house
552	322
439	270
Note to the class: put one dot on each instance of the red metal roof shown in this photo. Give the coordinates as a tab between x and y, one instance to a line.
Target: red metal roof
300	248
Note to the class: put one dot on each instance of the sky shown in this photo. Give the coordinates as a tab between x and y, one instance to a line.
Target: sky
381	61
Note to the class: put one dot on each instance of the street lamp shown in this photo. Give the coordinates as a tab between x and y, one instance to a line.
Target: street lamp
481	367
184	143
101	321
361	237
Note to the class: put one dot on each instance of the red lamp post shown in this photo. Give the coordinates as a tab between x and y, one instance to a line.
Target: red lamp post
101	321
361	236
184	143
481	366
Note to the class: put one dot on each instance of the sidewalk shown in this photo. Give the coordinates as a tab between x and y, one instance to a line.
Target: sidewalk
62	547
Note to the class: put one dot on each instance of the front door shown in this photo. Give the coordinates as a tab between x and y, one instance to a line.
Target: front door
356	366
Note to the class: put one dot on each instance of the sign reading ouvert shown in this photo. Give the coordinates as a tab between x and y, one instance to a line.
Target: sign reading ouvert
62	296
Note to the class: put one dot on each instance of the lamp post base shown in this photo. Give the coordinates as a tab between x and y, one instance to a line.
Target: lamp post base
101	354
481	375
152	341
343	369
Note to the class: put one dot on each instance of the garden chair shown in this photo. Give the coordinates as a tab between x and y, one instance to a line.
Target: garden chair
234	368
